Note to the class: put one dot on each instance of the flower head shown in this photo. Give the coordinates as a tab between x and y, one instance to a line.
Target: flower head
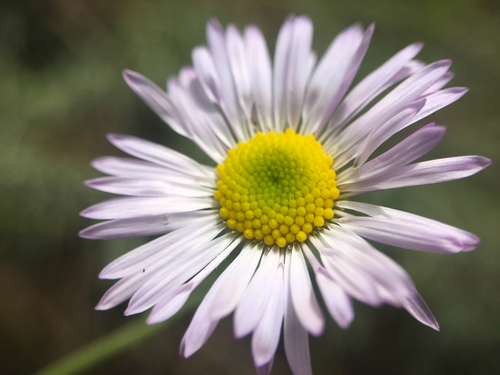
291	147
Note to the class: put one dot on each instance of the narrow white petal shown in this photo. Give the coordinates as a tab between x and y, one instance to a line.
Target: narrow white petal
123	228
298	69
406	151
434	102
230	104
266	336
304	299
231	285
199	330
295	336
387	130
261	76
124	208
175	271
334	75
239	67
170	303
337	302
147	188
134	168
227	290
445	238
156	99
158	154
139	258
417	307
399	98
281	57
256	296
423	173
373	84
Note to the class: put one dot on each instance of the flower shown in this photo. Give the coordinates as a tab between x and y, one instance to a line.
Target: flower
291	146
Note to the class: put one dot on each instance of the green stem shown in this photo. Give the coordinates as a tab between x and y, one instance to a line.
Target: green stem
102	349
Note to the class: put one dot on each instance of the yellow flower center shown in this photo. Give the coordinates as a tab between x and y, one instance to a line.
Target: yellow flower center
277	187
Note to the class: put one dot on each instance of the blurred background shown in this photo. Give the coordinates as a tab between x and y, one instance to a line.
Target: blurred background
61	92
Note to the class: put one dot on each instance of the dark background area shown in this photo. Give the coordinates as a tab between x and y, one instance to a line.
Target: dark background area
61	92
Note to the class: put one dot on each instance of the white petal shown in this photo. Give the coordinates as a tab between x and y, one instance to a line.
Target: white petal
266	369
266	336
334	75
406	151
337	302
427	172
230	104
383	133
158	154
231	285
280	75
238	61
175	269
298	69
261	76
304	299
147	188
123	228
399	98
156	99
295	336
372	85
256	296
123	208
229	282
137	259
438	100
134	168
170	303
428	235
417	307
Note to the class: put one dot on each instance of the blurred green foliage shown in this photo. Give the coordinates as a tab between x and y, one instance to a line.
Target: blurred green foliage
61	92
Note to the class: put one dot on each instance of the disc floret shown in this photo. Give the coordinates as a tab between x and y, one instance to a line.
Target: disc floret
277	187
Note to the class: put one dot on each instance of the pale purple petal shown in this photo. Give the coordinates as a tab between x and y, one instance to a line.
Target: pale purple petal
170	303
372	85
261	76
298	69
427	172
239	67
280	69
428	235
124	208
337	302
230	105
134	168
417	307
175	268
156	99
266	336
123	228
406	151
158	154
399	98
141	257
303	297
256	296
199	330
147	188
231	285
295	336
387	130
434	102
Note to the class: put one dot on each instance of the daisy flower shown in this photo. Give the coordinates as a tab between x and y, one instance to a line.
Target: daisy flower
292	147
